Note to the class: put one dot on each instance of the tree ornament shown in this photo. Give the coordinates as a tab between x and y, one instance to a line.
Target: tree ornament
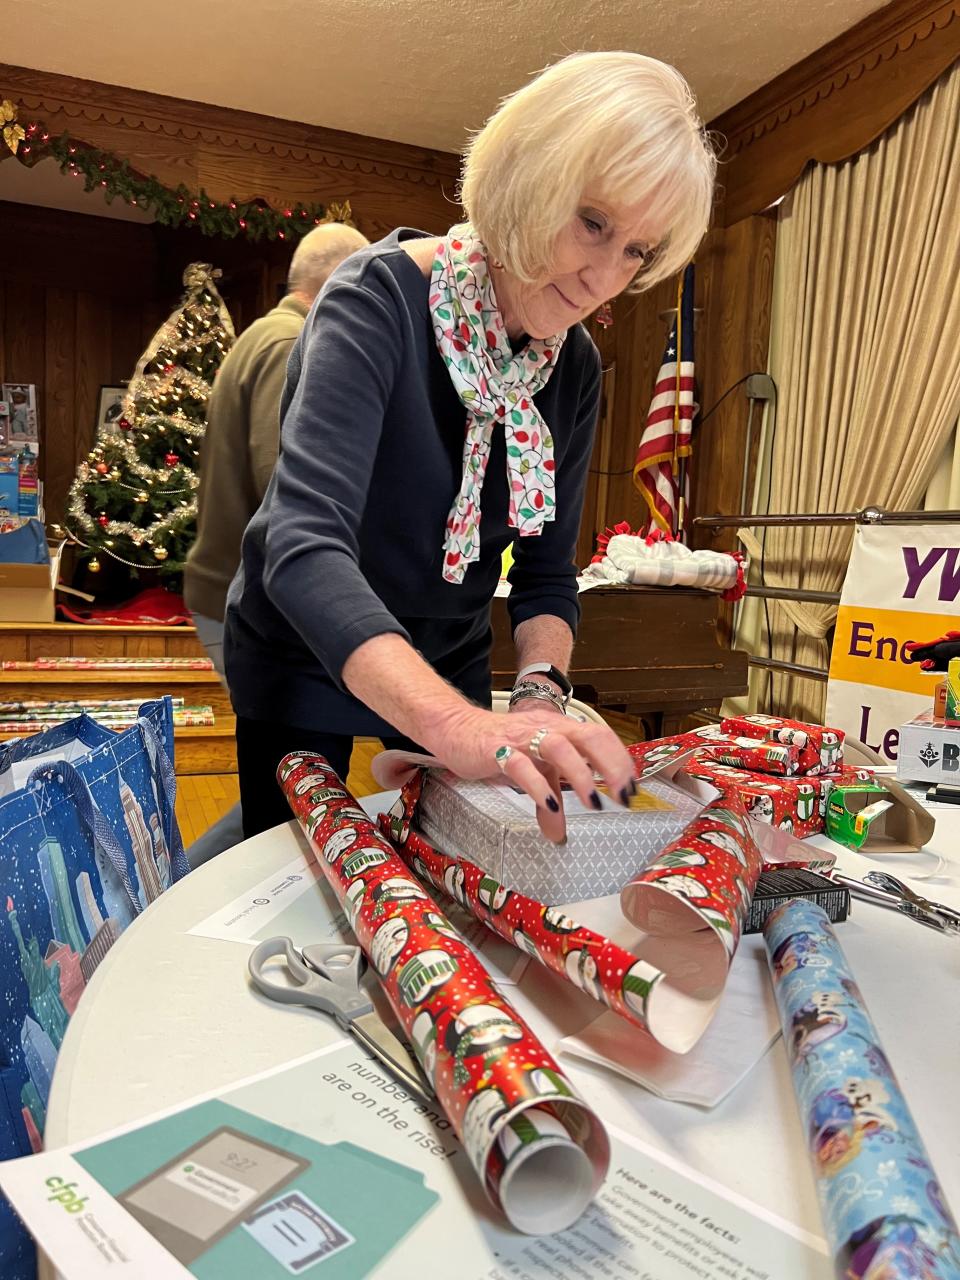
94	565
163	424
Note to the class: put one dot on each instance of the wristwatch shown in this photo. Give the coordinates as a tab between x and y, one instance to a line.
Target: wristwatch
552	673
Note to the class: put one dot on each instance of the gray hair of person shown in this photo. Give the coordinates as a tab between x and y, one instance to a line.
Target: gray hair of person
619	126
319	253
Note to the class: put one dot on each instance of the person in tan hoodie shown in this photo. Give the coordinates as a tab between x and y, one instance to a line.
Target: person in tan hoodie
243	430
239	453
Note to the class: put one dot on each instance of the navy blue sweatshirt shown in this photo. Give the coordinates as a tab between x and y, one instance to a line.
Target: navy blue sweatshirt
347	543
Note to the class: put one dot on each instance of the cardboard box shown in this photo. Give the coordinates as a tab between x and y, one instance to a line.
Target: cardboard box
27	590
929	750
878	817
496	827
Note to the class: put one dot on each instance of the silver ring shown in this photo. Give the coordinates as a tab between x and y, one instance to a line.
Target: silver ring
535	741
502	756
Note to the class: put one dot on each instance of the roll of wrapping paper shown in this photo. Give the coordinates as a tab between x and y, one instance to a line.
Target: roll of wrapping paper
691	902
884	1212
539	1150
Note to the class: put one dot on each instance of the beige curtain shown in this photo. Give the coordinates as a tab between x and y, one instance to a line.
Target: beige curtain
865	350
943	491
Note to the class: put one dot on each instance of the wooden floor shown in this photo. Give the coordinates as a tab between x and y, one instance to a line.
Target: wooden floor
203	798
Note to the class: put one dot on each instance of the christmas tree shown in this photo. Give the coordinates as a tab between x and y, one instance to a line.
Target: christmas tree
135	497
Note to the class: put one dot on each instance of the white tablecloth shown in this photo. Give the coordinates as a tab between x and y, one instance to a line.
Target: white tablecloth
168	1016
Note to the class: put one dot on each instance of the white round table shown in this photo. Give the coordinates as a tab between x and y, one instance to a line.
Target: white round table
168	1016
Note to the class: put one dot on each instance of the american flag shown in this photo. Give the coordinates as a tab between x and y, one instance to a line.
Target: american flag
660	471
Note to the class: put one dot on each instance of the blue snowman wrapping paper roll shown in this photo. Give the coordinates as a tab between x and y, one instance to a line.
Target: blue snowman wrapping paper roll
883	1210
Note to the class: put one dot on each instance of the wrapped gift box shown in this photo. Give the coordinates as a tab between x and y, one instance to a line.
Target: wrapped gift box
726	748
820	749
793	804
756	757
496	827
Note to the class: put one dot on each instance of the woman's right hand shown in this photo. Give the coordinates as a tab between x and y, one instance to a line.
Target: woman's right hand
473	743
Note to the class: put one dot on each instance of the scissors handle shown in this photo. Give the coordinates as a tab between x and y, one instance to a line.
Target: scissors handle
337	961
335	991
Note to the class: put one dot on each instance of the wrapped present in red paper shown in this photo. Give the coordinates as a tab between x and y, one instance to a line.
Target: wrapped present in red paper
821	749
712	743
660	750
795	804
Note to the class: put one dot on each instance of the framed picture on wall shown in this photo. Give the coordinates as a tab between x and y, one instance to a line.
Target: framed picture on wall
110	409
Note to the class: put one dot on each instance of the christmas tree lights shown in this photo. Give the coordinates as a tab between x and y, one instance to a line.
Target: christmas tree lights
135	496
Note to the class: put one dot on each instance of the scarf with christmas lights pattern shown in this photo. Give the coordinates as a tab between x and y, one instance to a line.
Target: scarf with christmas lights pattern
496	387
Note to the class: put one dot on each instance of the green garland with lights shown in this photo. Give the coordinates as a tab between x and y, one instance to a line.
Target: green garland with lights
172	207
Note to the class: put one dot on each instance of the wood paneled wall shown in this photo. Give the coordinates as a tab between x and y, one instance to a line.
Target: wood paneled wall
238	153
78	302
81	296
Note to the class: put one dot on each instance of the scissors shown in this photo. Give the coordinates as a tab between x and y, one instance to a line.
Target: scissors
940	916
326	976
877	887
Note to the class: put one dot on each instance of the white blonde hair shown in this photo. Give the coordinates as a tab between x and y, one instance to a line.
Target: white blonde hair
616	125
319	253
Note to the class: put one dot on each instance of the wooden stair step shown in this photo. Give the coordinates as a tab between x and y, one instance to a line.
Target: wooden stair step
197	688
206	748
197	748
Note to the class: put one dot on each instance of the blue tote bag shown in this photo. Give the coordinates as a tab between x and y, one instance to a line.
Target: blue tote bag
88	839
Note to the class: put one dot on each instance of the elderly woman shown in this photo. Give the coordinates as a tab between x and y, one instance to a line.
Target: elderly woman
440	405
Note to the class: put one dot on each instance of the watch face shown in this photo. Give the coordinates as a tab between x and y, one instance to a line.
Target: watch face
551	672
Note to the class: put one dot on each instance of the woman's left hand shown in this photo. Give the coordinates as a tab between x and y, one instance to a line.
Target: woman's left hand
534	746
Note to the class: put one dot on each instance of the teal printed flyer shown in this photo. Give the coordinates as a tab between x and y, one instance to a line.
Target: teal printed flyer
328	1169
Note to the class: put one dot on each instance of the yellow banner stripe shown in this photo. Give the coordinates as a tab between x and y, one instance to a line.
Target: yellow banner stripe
868	647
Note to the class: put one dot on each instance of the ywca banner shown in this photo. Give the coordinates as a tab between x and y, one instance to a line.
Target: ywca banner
902	584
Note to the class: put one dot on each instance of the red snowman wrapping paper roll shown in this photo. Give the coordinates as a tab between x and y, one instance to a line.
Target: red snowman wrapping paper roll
691	904
539	1150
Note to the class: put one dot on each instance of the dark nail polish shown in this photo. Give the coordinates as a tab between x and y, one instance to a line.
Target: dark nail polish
625	795
552	804
595	800
634	787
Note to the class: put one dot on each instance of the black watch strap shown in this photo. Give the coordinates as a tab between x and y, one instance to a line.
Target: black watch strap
551	672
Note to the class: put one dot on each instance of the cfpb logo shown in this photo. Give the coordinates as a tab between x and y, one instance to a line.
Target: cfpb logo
65	1193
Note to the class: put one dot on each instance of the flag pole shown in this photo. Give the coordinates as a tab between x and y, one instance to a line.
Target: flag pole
678	509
